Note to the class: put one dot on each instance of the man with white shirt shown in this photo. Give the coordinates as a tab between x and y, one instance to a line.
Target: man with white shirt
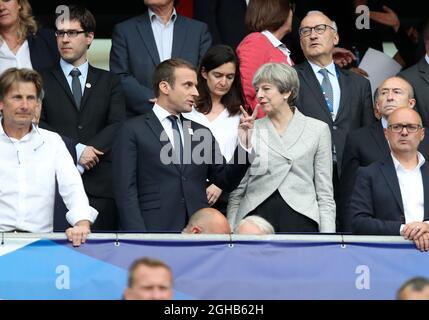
32	160
368	144
85	104
141	43
391	196
338	97
418	76
161	162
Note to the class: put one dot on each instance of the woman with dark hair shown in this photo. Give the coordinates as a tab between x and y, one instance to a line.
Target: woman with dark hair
22	43
218	105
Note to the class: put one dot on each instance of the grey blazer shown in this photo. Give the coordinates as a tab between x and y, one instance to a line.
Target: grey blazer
297	164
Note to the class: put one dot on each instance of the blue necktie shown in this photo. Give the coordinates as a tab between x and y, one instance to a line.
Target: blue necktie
177	138
328	92
76	88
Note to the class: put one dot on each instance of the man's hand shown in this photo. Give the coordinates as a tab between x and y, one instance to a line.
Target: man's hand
78	234
89	157
414	230
245	129
422	243
388	18
342	57
359	71
213	193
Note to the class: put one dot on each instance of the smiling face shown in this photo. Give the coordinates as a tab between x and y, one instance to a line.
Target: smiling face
9	13
220	79
73	49
317	45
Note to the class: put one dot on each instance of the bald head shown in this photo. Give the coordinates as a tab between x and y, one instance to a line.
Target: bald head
394	93
208	221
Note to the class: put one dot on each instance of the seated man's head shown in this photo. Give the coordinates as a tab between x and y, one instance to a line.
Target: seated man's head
208	221
414	289
254	225
149	279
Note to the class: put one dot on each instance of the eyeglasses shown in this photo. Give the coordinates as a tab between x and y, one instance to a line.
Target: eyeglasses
319	29
411	128
69	33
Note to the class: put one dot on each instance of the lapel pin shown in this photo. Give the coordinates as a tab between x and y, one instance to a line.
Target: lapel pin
88	85
190	131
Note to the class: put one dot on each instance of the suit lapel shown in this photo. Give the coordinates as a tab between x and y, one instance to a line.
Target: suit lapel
145	30
91	82
425	177
424	70
377	133
388	170
346	92
59	75
179	35
314	85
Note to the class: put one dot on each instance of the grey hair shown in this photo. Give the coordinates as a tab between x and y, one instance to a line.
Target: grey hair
334	25
261	223
282	76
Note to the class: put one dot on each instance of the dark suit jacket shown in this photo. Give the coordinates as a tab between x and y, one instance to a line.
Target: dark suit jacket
134	55
225	19
418	76
355	108
154	196
43	49
96	124
363	147
376	203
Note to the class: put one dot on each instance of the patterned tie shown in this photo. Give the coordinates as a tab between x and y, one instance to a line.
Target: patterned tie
177	138
76	88
328	93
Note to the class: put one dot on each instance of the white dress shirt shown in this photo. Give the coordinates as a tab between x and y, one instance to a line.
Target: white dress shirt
427	59
83	68
224	128
10	60
29	168
411	185
163	34
279	45
332	73
162	115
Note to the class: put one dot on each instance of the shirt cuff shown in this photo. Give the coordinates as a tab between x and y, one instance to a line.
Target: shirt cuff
81	213
401	228
79	149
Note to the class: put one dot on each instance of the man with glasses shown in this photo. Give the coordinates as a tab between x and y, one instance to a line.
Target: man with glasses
85	104
338	97
32	161
368	144
391	196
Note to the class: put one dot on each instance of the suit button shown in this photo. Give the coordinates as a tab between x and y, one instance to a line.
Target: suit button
334	127
80	127
289	161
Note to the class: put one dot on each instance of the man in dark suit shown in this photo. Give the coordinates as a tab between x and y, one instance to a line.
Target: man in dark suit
85	104
161	162
391	196
418	76
141	43
338	97
368	144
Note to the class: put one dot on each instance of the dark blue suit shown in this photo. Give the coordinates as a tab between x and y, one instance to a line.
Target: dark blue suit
43	49
376	203
134	55
154	196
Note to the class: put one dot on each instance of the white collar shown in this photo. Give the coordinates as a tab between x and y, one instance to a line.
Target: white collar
330	67
274	41
398	165
152	14
68	67
160	112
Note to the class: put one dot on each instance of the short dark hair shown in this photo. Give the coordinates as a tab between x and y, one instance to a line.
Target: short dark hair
214	58
83	15
14	75
147	262
165	72
415	284
266	15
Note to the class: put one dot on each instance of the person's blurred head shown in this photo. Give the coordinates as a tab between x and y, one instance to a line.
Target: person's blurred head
21	92
254	225
394	93
149	279
75	35
154	4
414	289
218	78
404	131
270	15
17	13
175	85
276	86
208	221
318	36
